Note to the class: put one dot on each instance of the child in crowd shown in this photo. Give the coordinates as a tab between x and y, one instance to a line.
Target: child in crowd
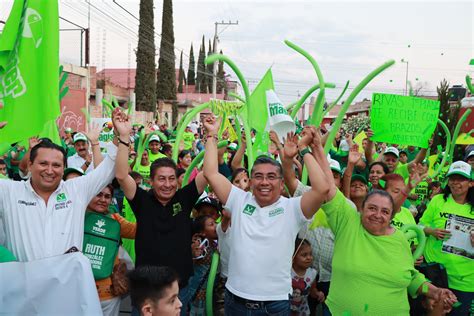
204	243
154	291
303	279
240	178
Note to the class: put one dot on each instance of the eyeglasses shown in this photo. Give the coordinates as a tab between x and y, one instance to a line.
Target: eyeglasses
105	196
269	177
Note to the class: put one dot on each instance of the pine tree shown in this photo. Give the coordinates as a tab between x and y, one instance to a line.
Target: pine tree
166	77
209	70
221	83
192	68
145	89
181	79
201	69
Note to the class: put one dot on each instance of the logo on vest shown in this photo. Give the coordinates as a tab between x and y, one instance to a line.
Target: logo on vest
276	212
249	209
98	227
176	208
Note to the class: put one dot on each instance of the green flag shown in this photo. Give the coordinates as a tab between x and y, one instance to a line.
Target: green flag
257	114
29	62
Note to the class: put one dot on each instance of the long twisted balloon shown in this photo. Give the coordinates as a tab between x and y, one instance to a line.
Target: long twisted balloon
351	98
300	102
318	108
248	138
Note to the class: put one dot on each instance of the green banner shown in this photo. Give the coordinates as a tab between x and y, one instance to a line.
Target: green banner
29	63
403	120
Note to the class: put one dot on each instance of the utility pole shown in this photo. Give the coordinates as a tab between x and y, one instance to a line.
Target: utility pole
214	65
406	77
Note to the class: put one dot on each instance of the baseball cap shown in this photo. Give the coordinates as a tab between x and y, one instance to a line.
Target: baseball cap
232	146
460	168
208	201
154	138
470	154
359	177
70	170
334	164
80	136
392	150
68	130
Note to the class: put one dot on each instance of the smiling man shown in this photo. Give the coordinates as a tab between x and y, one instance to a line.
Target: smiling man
264	228
82	158
44	216
163	213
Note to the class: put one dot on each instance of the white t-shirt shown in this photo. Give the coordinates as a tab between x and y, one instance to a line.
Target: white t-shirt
76	161
262	242
224	249
36	230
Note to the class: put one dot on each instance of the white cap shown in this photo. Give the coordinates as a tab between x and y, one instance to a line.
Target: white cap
334	164
154	138
392	150
344	146
79	136
461	168
471	153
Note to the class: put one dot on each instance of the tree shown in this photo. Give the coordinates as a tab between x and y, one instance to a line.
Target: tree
221	83
192	68
209	69
201	69
181	79
166	77
145	89
448	113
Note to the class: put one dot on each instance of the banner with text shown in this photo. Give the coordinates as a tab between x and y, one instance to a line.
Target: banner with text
403	120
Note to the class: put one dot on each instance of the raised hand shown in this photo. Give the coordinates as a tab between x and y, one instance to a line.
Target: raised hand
211	124
93	133
33	141
290	148
274	137
354	154
307	137
122	123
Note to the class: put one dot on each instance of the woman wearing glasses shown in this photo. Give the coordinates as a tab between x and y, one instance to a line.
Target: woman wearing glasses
102	232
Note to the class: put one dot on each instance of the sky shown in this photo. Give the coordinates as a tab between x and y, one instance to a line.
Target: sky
347	39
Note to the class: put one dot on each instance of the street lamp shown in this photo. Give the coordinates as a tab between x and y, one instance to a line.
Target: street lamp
406	78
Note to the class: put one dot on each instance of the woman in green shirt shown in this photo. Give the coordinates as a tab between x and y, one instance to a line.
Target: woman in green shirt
451	214
372	268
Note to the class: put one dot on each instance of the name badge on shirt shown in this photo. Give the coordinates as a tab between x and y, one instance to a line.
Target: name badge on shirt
276	212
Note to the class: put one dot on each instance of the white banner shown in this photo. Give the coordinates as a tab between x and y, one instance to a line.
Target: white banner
60	285
278	118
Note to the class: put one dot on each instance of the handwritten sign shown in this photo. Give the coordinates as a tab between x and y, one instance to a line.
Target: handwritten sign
403	120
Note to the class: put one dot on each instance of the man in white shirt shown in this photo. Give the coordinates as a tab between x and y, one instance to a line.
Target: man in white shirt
264	227
44	216
82	158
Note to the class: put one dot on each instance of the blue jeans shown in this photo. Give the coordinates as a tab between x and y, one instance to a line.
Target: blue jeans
274	308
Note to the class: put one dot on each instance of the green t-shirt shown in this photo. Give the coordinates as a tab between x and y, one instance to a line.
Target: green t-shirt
153	157
460	269
370	274
129	244
188	139
422	191
145	172
404	217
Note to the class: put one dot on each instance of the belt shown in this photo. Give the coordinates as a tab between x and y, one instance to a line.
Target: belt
249	303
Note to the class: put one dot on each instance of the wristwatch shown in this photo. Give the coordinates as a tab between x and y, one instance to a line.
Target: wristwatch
304	151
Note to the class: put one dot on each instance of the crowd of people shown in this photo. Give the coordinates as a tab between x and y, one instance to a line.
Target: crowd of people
331	243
